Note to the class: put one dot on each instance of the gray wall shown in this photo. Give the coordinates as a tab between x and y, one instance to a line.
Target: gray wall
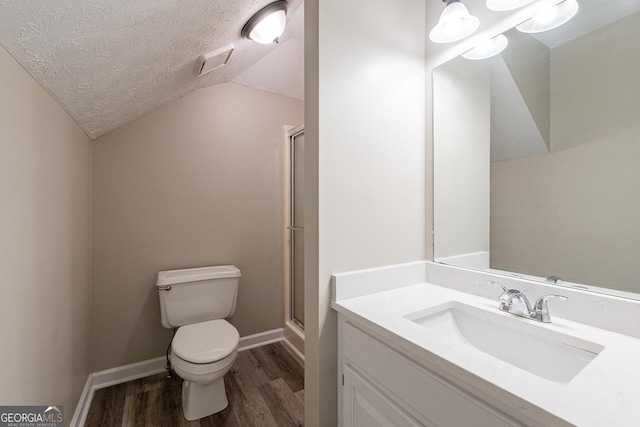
45	246
574	213
198	182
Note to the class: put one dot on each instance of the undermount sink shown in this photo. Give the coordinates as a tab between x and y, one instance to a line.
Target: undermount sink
522	343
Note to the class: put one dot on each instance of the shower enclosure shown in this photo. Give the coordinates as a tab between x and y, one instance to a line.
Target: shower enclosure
294	237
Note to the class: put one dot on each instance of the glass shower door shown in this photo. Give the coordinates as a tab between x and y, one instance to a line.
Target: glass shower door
296	227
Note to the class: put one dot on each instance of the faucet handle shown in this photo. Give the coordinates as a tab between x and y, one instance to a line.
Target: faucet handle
541	309
504	304
500	285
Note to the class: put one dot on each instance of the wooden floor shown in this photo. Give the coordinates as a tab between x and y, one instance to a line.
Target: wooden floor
265	388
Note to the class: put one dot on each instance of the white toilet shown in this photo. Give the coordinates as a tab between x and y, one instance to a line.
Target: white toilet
204	347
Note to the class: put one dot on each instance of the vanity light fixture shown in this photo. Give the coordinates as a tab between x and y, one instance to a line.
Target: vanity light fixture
487	48
455	23
502	5
267	25
549	16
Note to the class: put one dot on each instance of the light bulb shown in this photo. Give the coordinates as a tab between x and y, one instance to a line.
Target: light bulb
550	16
487	48
546	14
270	28
454	24
267	25
453	27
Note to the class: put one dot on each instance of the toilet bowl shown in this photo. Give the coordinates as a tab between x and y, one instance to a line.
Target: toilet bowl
196	301
201	354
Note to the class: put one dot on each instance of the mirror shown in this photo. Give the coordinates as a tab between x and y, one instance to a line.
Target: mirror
537	154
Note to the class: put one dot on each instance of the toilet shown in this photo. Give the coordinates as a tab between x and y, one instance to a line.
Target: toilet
203	349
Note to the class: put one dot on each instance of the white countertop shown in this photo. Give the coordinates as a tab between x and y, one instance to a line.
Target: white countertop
605	393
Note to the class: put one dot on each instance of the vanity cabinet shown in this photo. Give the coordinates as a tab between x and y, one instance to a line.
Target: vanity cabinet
370	407
380	386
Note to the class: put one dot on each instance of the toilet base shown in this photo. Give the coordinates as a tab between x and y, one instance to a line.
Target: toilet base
202	400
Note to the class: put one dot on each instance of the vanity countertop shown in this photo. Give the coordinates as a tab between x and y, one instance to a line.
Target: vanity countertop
605	393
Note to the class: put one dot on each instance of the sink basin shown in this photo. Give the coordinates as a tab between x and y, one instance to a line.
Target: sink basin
520	342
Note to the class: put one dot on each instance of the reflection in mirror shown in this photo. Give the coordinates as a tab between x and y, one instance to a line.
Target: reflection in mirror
537	154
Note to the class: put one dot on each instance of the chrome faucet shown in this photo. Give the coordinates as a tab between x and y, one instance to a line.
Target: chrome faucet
516	302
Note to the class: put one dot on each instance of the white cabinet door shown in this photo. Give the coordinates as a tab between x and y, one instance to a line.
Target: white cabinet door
429	398
366	406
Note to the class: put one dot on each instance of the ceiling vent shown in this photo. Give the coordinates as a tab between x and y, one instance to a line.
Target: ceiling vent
213	60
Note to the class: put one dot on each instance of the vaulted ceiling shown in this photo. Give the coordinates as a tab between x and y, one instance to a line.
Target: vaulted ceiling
108	62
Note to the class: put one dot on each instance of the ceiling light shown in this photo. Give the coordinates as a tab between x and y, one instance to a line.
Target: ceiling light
487	48
551	15
267	25
501	5
454	24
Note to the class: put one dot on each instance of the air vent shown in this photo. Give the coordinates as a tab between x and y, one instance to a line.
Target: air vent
213	60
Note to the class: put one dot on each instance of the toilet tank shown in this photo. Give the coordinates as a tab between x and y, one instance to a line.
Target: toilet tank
197	294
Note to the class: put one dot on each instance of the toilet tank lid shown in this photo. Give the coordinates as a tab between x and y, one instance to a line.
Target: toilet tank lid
171	277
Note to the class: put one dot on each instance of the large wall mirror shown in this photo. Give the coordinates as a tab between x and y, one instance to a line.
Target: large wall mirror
537	154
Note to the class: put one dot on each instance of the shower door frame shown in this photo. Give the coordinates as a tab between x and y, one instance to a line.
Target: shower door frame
294	329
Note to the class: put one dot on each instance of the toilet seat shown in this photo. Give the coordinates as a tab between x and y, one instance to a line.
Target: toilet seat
205	342
202	372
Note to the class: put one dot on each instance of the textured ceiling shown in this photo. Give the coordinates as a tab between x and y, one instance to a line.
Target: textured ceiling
108	62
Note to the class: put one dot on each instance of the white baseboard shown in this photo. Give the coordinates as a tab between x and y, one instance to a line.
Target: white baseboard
134	371
294	339
294	351
82	409
260	339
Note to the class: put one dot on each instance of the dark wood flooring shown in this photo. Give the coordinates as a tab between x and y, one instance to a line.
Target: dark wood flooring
265	387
